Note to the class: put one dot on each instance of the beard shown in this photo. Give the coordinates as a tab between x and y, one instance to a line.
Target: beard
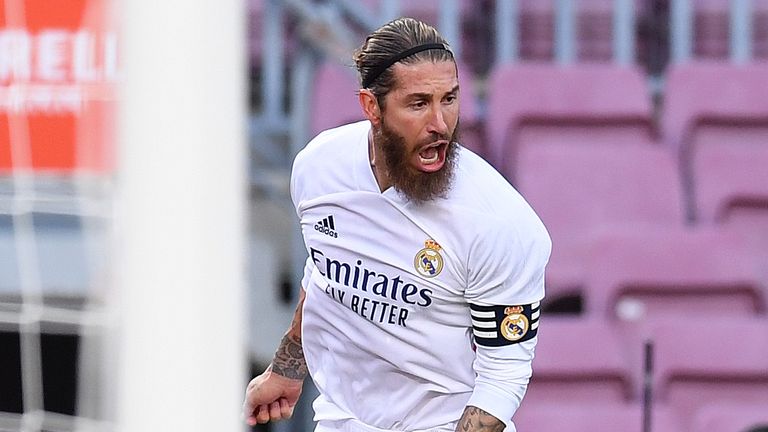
417	186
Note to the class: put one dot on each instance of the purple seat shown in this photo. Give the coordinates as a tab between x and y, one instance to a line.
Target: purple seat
709	106
711	29
727	175
334	100
716	359
577	104
718	97
641	273
730	417
594	29
579	191
585	416
568	369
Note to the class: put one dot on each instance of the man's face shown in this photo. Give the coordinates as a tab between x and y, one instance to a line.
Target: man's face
419	128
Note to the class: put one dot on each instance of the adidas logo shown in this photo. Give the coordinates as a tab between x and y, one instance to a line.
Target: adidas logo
326	226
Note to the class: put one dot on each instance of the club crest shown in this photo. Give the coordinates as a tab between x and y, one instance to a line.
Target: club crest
428	261
515	325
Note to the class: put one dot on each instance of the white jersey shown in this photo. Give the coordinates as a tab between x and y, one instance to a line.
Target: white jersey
412	312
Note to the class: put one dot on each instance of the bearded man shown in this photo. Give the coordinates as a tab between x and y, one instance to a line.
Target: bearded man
420	298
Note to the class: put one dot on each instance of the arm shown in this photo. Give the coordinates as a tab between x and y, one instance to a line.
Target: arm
476	420
273	394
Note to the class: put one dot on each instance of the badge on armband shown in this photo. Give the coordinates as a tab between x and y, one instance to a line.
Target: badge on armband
504	325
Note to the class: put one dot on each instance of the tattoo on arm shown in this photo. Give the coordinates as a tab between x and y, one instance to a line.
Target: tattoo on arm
476	420
289	358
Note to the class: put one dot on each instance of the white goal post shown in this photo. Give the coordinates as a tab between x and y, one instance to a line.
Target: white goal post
180	234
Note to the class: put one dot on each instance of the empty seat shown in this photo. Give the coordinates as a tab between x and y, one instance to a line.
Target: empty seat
586	416
576	104
580	360
714	360
728	176
712	29
730	417
712	105
641	273
579	191
334	100
715	94
593	28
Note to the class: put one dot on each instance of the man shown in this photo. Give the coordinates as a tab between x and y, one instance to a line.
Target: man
420	301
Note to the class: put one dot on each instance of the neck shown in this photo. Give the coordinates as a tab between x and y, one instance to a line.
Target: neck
376	160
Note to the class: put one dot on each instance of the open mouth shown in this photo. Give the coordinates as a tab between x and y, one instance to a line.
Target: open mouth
432	156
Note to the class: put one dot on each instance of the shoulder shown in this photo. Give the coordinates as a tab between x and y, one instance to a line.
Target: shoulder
328	161
481	189
330	144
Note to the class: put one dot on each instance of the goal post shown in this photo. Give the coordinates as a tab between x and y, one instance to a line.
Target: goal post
180	233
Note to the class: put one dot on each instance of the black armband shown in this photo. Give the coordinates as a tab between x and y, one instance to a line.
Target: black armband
496	326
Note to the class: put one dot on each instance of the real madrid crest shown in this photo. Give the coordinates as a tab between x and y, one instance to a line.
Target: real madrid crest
515	325
428	261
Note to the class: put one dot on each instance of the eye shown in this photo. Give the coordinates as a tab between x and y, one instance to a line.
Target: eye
450	99
419	104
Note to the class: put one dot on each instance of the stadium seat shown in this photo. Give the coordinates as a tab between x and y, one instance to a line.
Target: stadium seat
732	417
730	190
710	105
579	191
594	29
716	359
711	29
584	416
580	360
717	94
641	273
577	105
339	83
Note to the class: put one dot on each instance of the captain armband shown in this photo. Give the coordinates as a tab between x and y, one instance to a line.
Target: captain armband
495	326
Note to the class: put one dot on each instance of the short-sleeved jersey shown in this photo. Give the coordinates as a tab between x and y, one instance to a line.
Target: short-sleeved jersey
402	322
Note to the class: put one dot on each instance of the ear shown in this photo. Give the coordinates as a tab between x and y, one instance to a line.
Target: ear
370	106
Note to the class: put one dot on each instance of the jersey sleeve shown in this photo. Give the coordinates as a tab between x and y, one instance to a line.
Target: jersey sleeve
505	287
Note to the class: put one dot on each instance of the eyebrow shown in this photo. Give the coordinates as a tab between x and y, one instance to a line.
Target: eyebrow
415	96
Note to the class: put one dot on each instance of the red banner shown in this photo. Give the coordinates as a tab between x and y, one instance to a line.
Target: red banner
58	74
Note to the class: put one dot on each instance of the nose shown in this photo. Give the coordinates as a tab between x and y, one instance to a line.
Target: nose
437	123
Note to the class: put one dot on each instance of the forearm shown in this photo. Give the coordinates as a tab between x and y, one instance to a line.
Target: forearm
476	420
289	357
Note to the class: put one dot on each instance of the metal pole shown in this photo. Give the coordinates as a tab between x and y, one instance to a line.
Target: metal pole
647	385
741	30
624	32
507	31
273	81
681	30
565	32
450	25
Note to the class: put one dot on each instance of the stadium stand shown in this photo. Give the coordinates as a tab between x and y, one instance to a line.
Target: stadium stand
714	104
575	104
581	190
718	358
711	29
587	417
732	417
642	273
593	373
594	29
